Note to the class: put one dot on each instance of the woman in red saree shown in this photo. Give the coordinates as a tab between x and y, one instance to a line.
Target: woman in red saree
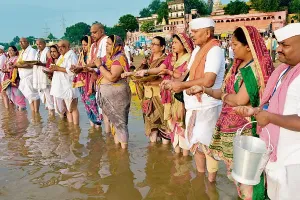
85	83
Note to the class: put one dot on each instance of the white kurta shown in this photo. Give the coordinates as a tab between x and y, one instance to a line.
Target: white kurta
62	82
26	78
41	81
283	176
209	109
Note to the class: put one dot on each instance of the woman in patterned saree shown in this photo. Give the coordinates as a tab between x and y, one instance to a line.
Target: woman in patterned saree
243	85
114	92
174	67
11	81
149	93
83	81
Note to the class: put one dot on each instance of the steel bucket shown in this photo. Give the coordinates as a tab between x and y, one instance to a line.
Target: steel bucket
250	157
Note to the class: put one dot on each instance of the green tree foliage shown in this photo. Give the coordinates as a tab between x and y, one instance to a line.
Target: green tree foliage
6	45
51	37
145	12
128	23
116	30
163	12
284	3
236	7
153	8
15	41
147	26
200	5
31	39
75	32
267	5
295	8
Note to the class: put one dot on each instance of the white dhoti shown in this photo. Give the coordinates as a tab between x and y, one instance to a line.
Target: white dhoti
283	177
26	87
61	87
63	102
204	126
46	98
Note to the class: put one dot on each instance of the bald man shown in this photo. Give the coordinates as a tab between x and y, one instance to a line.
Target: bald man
26	75
61	87
41	81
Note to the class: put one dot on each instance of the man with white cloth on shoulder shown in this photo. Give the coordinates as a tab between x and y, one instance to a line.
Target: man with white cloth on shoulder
26	75
41	81
207	68
61	87
280	114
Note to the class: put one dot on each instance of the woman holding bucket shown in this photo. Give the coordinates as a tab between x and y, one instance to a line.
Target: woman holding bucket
243	85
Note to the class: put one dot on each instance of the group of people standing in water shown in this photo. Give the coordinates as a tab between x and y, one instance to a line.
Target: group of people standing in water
186	97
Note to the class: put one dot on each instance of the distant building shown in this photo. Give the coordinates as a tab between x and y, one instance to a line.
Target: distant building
217	8
292	18
176	12
142	20
264	22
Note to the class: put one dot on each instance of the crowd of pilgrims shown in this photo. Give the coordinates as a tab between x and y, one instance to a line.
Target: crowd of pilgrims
186	98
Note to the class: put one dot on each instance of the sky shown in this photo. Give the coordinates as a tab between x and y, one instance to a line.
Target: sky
37	17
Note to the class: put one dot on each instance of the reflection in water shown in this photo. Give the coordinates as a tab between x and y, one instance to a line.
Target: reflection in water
45	158
120	182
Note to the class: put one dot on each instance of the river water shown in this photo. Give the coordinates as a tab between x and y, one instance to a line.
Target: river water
45	159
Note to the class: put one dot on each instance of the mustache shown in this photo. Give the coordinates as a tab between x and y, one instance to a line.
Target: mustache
280	53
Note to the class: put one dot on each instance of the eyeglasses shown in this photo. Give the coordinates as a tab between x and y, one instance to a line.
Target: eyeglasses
153	44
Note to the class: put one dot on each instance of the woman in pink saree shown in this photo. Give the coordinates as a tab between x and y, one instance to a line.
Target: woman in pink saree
11	80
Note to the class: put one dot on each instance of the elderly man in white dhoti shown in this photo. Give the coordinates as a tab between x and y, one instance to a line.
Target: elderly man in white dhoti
61	87
280	114
26	75
206	68
41	81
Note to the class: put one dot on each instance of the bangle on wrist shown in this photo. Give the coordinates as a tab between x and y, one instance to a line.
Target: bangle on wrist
224	95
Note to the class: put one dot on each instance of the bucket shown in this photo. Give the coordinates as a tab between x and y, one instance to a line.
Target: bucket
250	157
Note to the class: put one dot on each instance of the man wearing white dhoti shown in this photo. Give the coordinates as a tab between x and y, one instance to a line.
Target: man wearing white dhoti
207	68
26	75
41	81
61	87
280	114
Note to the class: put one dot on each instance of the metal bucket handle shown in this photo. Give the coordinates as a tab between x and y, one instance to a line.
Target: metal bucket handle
239	133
